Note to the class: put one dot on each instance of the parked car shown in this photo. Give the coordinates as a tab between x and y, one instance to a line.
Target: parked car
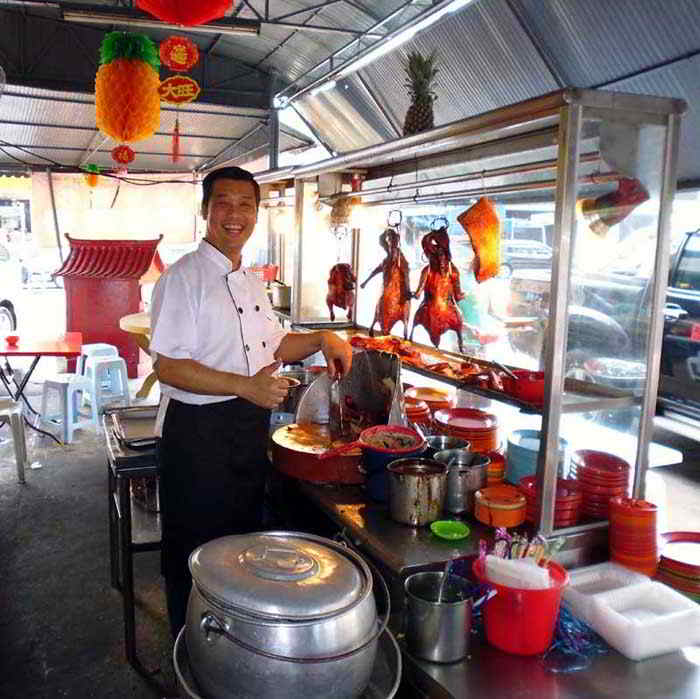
10	289
605	321
524	254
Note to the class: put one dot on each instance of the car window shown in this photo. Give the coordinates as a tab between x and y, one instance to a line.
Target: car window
688	273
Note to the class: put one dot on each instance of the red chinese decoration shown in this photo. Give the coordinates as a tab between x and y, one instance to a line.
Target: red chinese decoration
178	53
185	12
178	89
122	155
175	151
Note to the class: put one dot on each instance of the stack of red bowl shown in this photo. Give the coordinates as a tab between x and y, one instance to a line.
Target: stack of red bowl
601	476
496	470
633	535
567	505
477	427
418	412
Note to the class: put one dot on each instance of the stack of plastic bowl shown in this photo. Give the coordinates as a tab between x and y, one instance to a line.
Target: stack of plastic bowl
418	413
633	535
679	566
523	450
500	506
601	476
567	505
478	428
435	398
496	470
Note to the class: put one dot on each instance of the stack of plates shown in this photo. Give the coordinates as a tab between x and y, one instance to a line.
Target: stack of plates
633	538
478	428
418	412
679	566
435	398
567	506
523	449
496	470
601	476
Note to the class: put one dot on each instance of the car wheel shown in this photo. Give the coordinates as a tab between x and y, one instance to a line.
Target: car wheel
8	321
505	271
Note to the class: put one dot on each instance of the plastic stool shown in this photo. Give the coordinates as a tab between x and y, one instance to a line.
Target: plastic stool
68	415
97	349
12	411
107	382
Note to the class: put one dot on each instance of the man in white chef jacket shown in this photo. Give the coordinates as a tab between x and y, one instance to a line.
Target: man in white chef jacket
217	344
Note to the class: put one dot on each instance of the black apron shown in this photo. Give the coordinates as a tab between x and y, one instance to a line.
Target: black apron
213	462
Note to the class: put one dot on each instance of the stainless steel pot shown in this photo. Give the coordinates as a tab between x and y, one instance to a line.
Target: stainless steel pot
417	489
280	615
304	377
440	442
466	473
281	295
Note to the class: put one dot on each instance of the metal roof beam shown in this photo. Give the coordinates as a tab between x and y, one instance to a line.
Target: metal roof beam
320	6
321	29
231	146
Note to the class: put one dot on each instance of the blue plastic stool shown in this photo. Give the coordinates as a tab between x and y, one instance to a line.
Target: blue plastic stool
108	382
68	415
97	349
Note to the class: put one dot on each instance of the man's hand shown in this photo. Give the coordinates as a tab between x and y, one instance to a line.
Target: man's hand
264	389
333	349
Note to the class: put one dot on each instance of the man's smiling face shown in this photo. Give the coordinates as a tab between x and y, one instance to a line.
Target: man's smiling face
231	213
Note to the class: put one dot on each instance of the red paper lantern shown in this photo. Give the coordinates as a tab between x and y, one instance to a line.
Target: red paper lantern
185	12
122	155
178	53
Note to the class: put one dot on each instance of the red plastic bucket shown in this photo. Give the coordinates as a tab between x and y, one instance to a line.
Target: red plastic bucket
522	621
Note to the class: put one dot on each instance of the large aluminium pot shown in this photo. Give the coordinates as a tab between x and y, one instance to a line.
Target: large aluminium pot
417	490
280	615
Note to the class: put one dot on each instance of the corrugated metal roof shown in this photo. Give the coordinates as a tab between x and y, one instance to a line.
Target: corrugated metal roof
594	42
61	127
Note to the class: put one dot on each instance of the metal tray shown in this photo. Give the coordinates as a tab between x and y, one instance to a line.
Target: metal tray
134	428
383	683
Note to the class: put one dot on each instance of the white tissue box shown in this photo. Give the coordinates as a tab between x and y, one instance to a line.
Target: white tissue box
520	573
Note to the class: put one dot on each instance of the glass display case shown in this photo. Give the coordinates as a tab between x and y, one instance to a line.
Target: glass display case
582	182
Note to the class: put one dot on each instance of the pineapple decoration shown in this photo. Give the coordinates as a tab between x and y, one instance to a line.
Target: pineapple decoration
420	75
126	88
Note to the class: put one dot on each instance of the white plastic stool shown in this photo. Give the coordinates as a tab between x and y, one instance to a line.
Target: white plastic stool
108	382
68	415
12	411
96	349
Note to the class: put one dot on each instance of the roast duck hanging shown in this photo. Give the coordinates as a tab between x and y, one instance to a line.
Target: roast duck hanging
341	289
394	304
439	284
609	209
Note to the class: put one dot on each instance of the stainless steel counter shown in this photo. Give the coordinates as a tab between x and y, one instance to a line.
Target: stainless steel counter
488	672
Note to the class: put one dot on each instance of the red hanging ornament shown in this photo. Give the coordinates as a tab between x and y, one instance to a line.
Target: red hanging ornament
175	151
185	12
178	53
122	155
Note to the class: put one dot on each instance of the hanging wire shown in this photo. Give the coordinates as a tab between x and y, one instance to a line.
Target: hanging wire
93	151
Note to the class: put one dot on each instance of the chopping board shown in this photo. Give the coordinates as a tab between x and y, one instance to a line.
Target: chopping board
295	450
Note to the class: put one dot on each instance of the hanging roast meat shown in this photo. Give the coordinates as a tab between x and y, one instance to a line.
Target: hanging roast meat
483	227
341	289
439	284
394	304
609	209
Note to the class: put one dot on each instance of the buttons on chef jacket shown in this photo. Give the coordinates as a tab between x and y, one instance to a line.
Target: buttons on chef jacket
240	309
264	345
247	348
257	308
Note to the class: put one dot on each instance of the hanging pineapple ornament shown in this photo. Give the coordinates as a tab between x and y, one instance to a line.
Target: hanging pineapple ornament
420	76
127	102
92	175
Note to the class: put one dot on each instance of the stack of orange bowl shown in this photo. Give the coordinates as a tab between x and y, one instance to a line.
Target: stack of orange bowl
418	412
601	476
567	505
496	470
679	566
436	398
633	536
478	428
500	506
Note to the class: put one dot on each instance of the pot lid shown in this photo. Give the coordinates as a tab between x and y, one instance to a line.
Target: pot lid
279	574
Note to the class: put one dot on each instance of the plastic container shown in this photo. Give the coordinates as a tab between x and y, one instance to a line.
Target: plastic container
646	620
593	582
500	506
520	621
523	450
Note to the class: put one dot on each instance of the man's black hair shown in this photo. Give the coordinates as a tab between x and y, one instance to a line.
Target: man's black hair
228	173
